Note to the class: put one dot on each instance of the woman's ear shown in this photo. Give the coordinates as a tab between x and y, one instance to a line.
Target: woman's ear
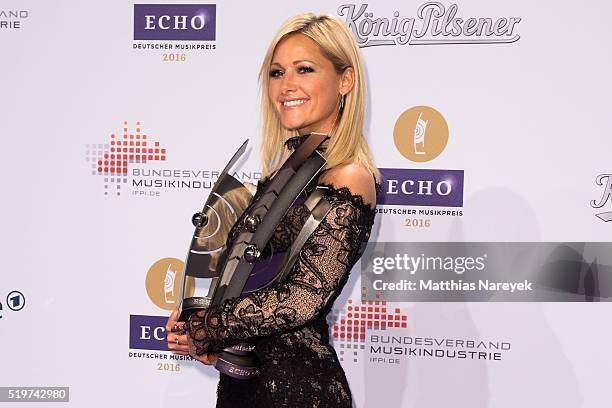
347	81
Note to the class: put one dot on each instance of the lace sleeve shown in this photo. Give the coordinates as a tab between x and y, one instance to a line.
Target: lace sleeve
286	232
319	273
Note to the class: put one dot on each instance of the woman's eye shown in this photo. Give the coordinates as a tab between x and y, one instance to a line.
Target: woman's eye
305	69
275	73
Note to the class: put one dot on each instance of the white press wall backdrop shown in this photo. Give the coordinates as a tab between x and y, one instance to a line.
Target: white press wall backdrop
528	123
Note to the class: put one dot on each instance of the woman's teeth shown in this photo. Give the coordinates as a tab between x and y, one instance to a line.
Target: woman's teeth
294	102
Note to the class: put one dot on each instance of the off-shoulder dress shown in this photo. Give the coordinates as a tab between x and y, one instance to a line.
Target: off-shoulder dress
287	321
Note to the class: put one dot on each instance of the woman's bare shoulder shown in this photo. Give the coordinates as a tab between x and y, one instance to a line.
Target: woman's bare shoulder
355	177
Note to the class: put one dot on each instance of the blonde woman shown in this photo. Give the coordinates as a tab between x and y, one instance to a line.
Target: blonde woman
313	82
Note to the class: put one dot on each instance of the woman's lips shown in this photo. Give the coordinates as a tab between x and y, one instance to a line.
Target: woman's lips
293	103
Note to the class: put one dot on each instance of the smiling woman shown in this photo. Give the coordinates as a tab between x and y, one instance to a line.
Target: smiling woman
312	83
304	86
314	65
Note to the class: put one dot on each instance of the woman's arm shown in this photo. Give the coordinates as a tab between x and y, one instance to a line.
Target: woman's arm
321	268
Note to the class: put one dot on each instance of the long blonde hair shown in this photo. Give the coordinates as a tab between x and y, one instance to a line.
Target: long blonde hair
347	142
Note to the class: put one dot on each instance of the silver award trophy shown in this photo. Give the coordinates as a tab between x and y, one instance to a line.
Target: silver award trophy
226	202
250	262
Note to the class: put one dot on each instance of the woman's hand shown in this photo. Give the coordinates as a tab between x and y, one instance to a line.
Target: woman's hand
206	358
179	342
175	335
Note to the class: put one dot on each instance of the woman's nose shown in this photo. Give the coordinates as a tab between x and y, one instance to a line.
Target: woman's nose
288	83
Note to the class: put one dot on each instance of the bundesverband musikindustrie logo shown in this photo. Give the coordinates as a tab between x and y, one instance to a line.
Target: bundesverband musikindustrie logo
131	162
352	325
114	160
13	19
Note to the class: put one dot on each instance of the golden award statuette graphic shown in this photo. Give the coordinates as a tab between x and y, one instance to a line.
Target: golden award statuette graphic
420	133
163	283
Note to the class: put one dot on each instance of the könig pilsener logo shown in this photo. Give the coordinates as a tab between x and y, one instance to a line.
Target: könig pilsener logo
604	180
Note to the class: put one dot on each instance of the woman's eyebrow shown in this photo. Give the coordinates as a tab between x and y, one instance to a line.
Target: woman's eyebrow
294	62
298	61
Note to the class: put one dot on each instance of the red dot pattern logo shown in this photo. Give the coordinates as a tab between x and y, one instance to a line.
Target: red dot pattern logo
112	159
352	323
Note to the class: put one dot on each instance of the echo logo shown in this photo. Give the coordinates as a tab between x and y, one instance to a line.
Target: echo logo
158	333
176	22
422	187
163	283
420	134
148	332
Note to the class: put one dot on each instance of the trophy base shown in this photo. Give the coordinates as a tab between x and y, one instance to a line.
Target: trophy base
240	367
192	305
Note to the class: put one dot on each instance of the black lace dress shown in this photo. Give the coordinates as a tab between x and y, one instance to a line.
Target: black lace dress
287	322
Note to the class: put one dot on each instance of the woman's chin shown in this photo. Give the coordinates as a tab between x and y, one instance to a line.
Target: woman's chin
292	126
